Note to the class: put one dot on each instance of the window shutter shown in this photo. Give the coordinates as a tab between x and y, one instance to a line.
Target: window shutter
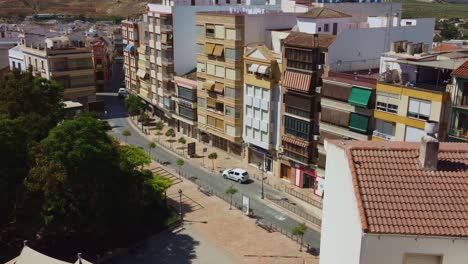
413	106
219	32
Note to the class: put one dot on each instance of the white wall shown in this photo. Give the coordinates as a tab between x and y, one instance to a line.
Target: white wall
312	26
276	37
391	249
256	101
360	49
341	223
257	27
15	55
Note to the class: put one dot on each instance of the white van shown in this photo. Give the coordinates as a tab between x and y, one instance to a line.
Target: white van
238	175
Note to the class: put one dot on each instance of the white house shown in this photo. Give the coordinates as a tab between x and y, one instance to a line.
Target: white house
16	59
395	203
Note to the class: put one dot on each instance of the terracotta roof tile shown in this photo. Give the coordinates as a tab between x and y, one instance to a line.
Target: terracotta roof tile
308	41
445	47
461	71
323	12
396	196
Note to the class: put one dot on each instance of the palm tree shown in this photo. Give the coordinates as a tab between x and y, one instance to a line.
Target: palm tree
212	157
231	191
299	230
151	146
126	133
180	163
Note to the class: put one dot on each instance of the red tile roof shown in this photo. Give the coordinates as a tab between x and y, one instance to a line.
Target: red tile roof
445	47
461	71
297	81
396	196
294	141
308	41
323	12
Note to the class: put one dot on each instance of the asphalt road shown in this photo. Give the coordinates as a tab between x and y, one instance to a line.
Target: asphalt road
117	118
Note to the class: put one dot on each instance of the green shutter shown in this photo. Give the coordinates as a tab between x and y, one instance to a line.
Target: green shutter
360	97
358	123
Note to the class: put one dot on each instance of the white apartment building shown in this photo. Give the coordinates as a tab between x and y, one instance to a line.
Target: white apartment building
16	59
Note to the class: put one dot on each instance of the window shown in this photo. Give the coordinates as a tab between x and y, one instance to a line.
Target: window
414	134
258	92
319	29
359	123
210	30
230	130
186	112
201	67
13	64
210	69
385	129
200	30
257	113
232	74
249	111
264	136
230	92
250	90
297	127
219	32
419	109
42	64
186	94
201	102
201	119
200	48
230	111
232	54
391	108
326	28
219	106
35	64
265	115
266	94
219	71
232	34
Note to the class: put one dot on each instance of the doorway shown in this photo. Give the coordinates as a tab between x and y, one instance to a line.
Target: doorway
335	28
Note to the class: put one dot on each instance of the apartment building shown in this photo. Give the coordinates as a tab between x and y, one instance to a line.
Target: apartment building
102	65
262	104
221	37
186	104
412	89
347	102
131	39
458	131
64	59
304	56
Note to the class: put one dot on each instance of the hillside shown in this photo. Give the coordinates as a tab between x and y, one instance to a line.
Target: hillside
419	9
73	7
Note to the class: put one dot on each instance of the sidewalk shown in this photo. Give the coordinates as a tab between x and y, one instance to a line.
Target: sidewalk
226	160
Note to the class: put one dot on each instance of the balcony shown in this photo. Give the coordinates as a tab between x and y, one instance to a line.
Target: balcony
383	136
166	27
298	112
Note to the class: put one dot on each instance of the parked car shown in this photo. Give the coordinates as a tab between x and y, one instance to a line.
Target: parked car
122	92
238	175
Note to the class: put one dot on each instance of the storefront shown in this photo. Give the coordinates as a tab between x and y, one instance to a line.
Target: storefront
304	178
258	155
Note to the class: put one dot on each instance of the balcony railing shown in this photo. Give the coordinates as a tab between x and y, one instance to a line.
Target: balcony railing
353	77
297	112
459	133
381	135
62	69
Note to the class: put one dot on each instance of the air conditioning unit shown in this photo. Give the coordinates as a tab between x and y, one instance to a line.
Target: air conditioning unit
316	137
319	66
318	89
280	149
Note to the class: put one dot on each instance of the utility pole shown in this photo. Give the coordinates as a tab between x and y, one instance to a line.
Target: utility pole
180	205
261	166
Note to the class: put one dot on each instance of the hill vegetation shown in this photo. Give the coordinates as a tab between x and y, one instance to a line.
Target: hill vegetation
419	9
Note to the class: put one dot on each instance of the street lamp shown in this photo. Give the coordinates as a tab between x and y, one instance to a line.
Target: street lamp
180	205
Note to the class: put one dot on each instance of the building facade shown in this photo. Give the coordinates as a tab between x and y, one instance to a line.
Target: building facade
458	131
186	105
262	104
102	65
220	48
304	56
65	60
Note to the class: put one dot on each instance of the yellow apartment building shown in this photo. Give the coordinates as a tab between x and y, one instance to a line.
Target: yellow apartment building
219	79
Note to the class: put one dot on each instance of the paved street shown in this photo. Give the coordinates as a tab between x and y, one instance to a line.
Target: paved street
117	118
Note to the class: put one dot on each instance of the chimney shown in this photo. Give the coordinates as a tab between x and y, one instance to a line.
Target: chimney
429	148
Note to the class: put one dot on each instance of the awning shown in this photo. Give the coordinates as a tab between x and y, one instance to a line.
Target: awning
209	48
296	142
360	97
253	68
260	150
359	123
263	70
218	50
141	73
211	102
297	81
208	86
219	87
130	48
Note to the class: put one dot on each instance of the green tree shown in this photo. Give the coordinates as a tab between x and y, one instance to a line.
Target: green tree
159	127
180	163
299	231
182	140
231	191
134	105
171	134
134	157
212	157
126	133
151	146
449	31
